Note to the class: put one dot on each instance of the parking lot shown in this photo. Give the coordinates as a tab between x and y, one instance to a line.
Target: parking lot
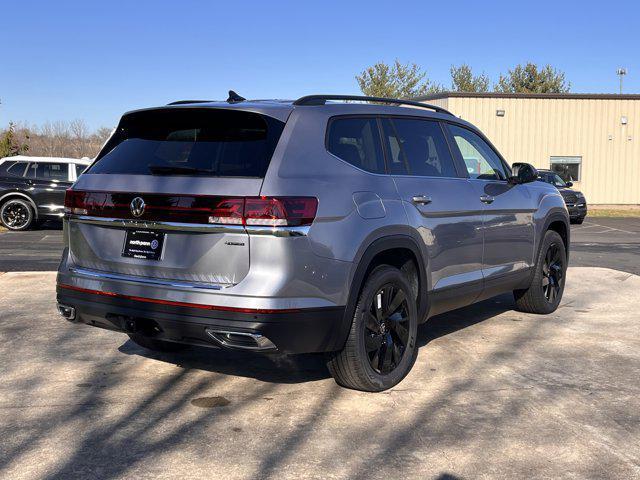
494	393
599	242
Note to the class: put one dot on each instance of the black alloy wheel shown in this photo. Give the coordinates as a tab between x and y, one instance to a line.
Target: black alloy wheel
552	273
382	344
16	215
387	329
544	293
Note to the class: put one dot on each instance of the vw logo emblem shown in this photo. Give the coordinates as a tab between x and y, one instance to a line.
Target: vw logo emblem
137	207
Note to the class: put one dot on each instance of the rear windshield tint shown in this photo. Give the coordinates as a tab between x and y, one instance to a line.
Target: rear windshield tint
202	142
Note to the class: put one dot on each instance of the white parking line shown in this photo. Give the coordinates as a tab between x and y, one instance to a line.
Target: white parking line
607	228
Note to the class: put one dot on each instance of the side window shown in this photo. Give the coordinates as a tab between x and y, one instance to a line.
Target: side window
80	169
13	169
49	171
479	158
417	147
557	181
356	141
543	177
6	166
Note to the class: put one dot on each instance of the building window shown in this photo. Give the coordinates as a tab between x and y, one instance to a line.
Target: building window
569	168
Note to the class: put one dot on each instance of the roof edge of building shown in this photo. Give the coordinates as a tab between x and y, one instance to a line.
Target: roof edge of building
568	96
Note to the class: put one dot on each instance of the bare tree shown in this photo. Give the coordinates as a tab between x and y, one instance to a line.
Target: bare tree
62	139
79	137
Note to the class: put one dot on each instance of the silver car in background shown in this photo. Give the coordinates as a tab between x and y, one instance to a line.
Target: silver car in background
304	226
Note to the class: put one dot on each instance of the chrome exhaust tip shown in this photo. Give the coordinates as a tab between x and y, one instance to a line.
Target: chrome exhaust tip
67	312
241	340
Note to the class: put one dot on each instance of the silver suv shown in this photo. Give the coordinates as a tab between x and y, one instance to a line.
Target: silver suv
304	226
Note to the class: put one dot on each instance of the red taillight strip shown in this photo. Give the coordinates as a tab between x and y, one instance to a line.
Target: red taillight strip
178	304
197	209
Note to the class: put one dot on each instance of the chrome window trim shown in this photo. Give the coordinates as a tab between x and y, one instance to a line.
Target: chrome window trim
85	272
190	227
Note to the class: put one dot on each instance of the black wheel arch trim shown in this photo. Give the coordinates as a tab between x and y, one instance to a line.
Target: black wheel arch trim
558	215
376	247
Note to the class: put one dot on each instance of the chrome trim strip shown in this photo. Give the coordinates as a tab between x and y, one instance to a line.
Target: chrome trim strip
278	231
148	281
155	225
189	227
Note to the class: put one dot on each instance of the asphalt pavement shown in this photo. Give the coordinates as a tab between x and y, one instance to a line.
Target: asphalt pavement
598	242
494	394
607	242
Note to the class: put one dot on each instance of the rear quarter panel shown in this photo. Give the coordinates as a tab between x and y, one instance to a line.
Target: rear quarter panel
301	166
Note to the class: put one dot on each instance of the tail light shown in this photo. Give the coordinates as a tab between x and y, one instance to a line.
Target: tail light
228	211
280	211
266	211
251	211
74	202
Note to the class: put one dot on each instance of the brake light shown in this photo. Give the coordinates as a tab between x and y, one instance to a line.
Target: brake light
251	211
282	211
228	211
266	211
74	202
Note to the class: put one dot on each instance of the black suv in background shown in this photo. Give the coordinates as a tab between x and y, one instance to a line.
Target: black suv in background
575	201
32	188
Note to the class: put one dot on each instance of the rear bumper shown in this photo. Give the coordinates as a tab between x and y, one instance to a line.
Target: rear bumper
304	330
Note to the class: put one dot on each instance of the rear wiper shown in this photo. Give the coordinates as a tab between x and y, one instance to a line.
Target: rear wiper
175	170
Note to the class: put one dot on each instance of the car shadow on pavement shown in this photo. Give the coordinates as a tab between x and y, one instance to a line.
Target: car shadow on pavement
459	319
290	369
272	368
47	225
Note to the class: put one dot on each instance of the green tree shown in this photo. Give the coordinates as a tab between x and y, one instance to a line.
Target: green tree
396	81
9	143
463	80
531	79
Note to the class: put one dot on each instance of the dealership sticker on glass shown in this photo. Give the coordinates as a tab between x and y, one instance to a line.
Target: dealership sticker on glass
143	244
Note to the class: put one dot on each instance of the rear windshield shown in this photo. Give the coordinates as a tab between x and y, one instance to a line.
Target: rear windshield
199	142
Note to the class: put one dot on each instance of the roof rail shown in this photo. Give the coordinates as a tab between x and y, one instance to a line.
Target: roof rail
185	102
322	100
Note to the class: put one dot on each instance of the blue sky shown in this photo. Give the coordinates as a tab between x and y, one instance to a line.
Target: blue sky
94	60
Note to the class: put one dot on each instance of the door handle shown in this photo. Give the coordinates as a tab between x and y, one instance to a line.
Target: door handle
487	199
421	199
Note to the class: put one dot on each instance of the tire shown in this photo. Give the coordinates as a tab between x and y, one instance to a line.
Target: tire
381	347
547	286
16	214
155	344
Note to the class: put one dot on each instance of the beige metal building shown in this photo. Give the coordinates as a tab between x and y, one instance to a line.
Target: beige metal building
592	139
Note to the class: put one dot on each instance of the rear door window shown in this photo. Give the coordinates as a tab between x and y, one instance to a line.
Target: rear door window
417	147
356	140
48	171
198	142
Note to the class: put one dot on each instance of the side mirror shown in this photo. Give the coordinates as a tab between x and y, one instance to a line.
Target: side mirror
523	173
569	184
